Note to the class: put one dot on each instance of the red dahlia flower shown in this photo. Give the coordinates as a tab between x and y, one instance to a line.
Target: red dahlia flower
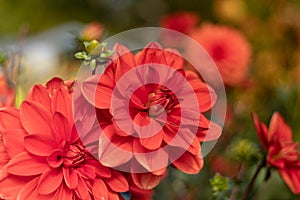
282	151
228	48
182	22
151	113
53	163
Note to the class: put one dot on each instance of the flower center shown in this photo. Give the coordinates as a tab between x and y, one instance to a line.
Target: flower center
162	100
75	155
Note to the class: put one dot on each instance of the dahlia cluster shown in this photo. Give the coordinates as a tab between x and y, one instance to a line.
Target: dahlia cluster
115	132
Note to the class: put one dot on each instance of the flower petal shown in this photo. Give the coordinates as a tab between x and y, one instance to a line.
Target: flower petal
25	164
146	181
82	189
70	177
61	127
49	181
261	130
99	189
188	163
98	90
36	119
62	102
10	118
13	140
114	151
38	145
117	182
292	178
40	94
29	191
150	160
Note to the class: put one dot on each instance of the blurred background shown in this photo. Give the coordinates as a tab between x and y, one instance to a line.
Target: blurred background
42	37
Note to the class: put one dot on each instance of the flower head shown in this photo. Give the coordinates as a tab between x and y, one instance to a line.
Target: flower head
53	163
151	113
281	149
182	22
228	48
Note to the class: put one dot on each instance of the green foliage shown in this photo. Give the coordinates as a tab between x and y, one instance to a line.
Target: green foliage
244	151
220	186
95	53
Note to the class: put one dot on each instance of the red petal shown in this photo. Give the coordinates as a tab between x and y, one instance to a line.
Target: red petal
10	118
36	119
279	130
173	59
54	84
99	189
146	181
150	160
71	177
261	130
40	94
114	151
213	132
205	94
49	181
117	182
86	172
153	142
291	178
152	53
82	190
100	170
98	90
38	145
13	141
11	186
29	191
124	62
56	158
61	127
25	164
63	193
188	163
62	102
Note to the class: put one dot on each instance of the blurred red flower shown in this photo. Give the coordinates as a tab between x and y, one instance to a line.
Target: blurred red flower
6	99
225	167
6	92
182	22
53	163
148	113
281	149
228	48
93	31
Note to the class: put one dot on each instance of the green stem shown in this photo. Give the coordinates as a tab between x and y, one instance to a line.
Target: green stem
251	183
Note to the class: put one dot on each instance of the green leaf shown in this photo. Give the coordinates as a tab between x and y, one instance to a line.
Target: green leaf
81	55
93	64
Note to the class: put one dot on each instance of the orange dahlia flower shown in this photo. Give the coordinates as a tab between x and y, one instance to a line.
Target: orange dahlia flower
151	113
281	149
228	48
53	163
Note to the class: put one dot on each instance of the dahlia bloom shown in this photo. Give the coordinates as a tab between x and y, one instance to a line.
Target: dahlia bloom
93	31
228	48
52	162
281	149
151	113
182	22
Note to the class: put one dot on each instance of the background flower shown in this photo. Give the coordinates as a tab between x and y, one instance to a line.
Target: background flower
228	48
282	151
